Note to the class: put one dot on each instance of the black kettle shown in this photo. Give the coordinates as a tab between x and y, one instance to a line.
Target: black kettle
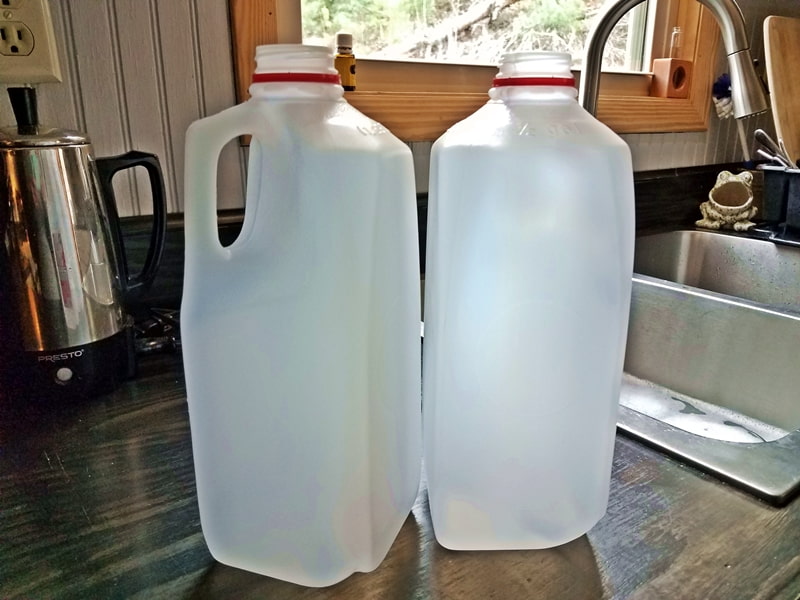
64	278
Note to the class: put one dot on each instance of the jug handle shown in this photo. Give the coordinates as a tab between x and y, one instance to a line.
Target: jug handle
108	167
205	140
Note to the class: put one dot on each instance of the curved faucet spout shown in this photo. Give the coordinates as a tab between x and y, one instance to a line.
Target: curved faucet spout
746	89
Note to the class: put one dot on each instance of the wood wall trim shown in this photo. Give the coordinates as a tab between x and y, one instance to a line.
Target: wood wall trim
253	23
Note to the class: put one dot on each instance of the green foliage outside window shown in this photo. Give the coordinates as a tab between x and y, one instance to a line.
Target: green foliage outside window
456	30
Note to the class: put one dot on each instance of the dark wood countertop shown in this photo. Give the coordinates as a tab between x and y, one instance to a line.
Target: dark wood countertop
97	500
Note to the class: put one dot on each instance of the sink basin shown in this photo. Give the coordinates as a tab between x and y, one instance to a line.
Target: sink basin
711	369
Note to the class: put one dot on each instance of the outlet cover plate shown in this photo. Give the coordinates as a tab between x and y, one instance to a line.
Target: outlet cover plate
35	60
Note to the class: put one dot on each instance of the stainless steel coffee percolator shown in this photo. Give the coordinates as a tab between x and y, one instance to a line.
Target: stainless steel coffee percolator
64	278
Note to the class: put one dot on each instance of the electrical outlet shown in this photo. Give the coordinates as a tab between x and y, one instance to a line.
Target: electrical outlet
15	39
27	42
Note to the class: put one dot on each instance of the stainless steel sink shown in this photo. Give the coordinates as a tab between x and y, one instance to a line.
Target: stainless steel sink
712	369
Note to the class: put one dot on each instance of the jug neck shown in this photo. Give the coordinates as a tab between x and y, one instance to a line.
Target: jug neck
536	76
534	89
295	71
296	85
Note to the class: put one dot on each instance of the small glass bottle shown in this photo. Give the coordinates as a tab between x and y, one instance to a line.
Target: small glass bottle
675	43
345	61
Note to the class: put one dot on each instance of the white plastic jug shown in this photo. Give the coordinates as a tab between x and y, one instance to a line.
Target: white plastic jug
527	291
301	339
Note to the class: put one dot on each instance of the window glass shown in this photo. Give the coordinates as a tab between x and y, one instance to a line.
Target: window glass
474	31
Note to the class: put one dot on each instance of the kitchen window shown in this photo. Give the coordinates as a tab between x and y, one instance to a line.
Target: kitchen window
478	31
418	100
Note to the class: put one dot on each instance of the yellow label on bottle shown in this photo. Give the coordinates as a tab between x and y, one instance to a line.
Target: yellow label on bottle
346	65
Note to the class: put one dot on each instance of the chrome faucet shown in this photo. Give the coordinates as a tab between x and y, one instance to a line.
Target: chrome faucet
746	89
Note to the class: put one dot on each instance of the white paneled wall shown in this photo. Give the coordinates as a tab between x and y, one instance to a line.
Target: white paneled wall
138	72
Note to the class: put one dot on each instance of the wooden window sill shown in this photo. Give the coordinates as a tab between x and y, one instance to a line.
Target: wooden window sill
418	101
423	116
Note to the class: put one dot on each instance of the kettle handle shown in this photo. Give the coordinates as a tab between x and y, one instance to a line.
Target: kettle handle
106	169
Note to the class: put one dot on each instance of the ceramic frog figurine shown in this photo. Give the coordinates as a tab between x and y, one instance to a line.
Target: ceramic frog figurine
730	203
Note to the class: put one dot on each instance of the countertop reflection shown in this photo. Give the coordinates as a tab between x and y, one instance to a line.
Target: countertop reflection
97	500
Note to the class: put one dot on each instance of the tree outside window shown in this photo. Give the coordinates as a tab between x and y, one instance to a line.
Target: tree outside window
468	31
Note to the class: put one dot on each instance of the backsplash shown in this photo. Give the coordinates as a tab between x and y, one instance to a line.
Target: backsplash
666	199
138	72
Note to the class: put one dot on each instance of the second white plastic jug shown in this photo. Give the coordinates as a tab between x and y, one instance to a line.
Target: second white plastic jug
301	339
527	290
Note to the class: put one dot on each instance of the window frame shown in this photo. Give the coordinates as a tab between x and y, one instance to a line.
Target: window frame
418	101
